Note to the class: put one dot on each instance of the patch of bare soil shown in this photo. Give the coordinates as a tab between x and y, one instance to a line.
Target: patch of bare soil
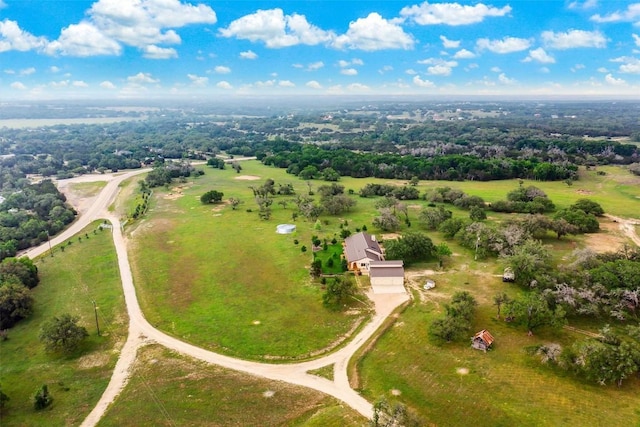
247	178
219	206
93	360
389	236
609	239
584	192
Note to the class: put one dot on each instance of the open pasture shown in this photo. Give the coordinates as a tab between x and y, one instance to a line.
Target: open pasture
86	271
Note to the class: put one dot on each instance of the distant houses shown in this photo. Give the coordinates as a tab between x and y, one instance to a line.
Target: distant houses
365	256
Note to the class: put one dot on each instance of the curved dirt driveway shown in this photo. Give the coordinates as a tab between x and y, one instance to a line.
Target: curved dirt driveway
141	331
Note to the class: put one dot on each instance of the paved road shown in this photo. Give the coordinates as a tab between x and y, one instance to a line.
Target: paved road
140	331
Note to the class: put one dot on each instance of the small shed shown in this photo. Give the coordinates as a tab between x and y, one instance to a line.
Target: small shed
482	340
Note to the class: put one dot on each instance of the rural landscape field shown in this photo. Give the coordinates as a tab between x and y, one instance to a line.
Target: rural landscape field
215	274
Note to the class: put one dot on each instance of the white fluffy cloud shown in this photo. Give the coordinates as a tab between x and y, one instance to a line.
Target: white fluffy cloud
155	52
630	64
503	79
107	85
349	71
374	33
142	78
276	30
18	85
422	83
286	83
313	84
198	80
609	79
12	37
224	85
636	39
358	87
449	44
315	66
574	39
464	54
248	55
540	55
83	39
585	4
506	45
451	13
27	71
141	23
221	69
79	83
630	14
439	67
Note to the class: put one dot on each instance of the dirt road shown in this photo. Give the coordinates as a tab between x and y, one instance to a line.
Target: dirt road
140	331
628	227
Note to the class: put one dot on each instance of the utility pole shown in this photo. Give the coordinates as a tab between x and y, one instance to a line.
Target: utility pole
95	310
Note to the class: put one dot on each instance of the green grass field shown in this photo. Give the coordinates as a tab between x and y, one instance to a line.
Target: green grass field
450	384
86	271
224	279
173	390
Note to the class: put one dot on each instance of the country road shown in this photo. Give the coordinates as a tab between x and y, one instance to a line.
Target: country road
141	332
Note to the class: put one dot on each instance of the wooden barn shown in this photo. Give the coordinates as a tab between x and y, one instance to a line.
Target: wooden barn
482	340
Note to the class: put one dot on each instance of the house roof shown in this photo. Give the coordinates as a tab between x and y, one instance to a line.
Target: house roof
362	245
386	269
485	336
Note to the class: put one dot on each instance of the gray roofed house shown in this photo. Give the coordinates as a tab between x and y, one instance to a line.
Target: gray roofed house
360	249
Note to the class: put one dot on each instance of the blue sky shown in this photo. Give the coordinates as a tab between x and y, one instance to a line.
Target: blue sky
76	49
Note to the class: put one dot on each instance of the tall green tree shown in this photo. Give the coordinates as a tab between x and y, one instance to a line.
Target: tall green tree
62	334
412	247
16	303
534	312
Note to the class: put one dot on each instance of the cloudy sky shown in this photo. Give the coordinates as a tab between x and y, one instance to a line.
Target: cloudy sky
52	49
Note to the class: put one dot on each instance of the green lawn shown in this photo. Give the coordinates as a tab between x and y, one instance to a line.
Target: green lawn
331	259
174	390
86	271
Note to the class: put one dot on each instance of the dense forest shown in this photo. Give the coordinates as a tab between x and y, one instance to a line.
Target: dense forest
482	141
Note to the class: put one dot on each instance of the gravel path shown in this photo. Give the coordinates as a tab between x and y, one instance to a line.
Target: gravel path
140	331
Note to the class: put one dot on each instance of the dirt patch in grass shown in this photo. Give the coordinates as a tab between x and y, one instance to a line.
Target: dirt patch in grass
247	178
93	360
609	239
584	192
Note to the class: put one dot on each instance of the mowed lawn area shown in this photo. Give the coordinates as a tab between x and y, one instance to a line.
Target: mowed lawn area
86	271
173	390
